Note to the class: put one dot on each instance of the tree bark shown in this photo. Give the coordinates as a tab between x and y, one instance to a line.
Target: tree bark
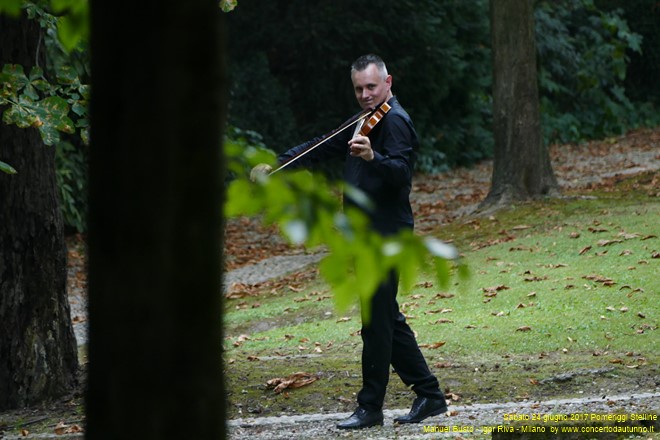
155	242
38	352
522	168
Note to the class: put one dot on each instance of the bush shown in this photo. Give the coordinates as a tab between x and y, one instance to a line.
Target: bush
71	175
291	62
583	55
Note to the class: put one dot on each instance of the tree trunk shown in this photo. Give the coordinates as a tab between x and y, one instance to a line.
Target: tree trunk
38	352
155	242
522	168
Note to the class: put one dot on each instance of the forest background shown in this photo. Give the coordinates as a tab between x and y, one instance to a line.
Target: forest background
598	63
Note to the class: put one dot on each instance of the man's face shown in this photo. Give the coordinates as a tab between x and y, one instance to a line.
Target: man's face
370	88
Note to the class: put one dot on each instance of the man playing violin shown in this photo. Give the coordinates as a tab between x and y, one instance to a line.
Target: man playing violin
381	165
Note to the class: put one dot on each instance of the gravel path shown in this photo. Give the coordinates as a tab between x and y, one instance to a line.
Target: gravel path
462	421
469	421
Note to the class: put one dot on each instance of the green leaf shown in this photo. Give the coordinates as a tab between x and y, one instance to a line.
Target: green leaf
228	5
441	272
31	93
79	109
335	269
54	112
36	72
20	116
6	168
49	134
11	7
73	25
66	75
240	200
13	78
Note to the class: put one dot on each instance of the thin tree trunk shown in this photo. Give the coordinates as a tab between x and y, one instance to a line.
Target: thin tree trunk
522	168
38	352
155	239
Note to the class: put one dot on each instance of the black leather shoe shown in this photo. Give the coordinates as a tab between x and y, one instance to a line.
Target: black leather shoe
423	408
362	418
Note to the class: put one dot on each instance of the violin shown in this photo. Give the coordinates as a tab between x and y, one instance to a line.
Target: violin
365	121
374	118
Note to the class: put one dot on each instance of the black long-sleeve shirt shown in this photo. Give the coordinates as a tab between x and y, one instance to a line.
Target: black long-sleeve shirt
387	179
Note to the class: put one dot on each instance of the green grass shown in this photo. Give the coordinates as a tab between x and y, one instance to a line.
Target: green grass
565	285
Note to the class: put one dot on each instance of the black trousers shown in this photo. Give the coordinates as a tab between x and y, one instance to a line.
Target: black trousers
388	340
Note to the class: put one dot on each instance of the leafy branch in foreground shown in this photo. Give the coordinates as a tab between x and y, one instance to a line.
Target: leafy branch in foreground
308	212
52	97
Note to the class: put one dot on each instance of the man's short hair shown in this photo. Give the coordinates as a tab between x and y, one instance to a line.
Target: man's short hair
363	62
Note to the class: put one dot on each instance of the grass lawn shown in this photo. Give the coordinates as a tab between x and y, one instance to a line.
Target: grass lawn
562	300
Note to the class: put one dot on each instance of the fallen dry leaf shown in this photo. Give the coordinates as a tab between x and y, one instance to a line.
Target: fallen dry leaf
521	227
439	311
453	397
443	365
443	295
536	278
62	428
295	380
608	242
600	279
434	345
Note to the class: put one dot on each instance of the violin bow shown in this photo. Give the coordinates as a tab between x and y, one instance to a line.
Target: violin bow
361	117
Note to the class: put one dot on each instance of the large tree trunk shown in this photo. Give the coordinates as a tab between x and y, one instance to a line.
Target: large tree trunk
155	311
38	353
522	168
